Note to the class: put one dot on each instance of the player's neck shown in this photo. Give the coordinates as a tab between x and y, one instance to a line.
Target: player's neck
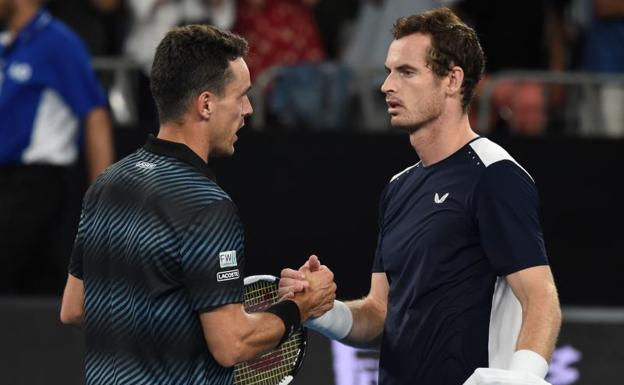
192	139
442	138
22	16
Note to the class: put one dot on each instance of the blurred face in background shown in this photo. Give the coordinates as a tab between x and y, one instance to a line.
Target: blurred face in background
414	94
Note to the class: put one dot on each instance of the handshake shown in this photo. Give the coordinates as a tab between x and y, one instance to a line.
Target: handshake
311	287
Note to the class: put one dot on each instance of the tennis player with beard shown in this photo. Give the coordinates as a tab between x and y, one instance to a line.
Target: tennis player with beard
461	291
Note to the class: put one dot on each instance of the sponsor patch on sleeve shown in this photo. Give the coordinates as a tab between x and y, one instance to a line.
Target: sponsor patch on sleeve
227	258
227	275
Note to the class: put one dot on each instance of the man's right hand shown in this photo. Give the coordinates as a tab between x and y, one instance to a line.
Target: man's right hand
294	281
312	288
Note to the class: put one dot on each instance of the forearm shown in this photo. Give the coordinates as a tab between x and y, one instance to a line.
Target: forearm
541	320
72	304
99	142
368	323
263	333
233	335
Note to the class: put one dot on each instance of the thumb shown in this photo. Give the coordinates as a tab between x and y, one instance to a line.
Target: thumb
314	263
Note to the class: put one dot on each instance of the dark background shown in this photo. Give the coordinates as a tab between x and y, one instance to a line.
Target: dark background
318	193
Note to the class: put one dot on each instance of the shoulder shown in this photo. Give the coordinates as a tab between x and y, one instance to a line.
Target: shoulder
495	159
62	41
502	178
402	173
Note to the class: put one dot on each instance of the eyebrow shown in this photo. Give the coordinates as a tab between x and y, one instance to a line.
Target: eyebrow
406	67
246	90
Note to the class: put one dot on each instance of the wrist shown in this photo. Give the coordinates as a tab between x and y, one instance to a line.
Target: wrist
336	324
288	311
527	361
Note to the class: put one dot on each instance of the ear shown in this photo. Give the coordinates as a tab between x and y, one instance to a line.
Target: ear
456	80
204	104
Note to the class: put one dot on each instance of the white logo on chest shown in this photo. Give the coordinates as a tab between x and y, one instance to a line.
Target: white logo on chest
145	165
20	72
439	200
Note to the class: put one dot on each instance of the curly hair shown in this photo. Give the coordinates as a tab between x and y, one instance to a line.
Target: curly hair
453	43
188	61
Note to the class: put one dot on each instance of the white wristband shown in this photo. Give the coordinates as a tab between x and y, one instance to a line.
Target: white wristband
528	361
335	324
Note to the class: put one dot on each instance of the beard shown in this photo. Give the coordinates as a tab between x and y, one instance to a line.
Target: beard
411	124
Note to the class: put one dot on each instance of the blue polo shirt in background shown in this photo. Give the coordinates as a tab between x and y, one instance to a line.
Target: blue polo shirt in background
47	88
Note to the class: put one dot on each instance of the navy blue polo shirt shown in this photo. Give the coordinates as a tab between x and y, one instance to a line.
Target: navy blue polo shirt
47	88
159	242
447	231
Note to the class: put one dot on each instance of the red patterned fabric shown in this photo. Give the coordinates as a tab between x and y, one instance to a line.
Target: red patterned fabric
279	32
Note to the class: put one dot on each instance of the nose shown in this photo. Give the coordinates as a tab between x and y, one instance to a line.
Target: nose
388	85
247	108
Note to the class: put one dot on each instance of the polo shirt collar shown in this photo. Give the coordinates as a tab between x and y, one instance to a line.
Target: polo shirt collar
179	151
41	19
38	22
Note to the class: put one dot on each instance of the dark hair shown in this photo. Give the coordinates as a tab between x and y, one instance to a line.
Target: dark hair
453	43
188	61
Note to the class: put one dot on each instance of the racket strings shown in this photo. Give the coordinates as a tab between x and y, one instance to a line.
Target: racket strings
288	351
273	366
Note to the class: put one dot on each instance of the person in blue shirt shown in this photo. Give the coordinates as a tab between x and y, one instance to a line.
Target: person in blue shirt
50	103
461	291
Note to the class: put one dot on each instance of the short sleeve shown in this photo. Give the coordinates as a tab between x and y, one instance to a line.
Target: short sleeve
74	78
506	207
75	261
211	257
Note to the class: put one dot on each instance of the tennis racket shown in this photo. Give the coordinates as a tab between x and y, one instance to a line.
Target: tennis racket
280	365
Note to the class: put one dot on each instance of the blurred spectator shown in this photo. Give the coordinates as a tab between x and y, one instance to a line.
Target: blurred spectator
103	24
334	18
151	20
371	36
518	35
285	46
48	91
604	53
279	32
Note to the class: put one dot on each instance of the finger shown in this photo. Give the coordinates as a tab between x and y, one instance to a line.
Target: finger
283	291
305	267
314	263
295	286
324	268
287	295
291	273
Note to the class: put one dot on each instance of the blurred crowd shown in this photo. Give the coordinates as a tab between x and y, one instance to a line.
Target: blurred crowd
323	55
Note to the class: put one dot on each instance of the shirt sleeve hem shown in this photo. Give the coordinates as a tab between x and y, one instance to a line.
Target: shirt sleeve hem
520	267
207	308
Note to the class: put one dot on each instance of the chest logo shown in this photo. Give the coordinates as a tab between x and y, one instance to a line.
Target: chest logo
145	165
20	72
439	200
